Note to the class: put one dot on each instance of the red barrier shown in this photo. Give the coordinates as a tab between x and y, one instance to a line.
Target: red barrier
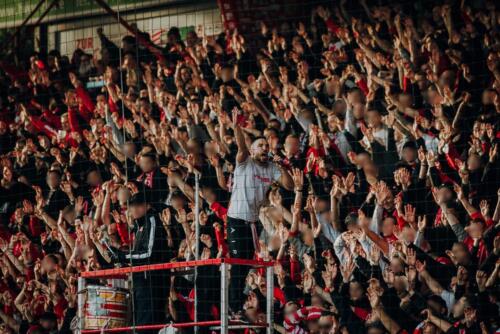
160	326
172	265
151	327
224	323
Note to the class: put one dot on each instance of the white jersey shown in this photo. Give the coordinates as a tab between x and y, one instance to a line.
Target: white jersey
250	184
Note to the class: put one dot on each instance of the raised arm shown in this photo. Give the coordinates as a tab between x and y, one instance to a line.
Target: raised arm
243	152
434	285
298	178
392	326
221	179
439	322
455	225
465	202
334	208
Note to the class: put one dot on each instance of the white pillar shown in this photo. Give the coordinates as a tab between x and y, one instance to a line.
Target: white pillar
197	246
270	299
224	298
81	304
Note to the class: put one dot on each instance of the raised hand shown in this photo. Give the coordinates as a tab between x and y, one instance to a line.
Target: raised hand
485	209
181	216
411	257
207	240
283	235
461	275
481	278
373	298
460	193
431	158
309	263
347	269
309	204
437	196
349	182
410	214
27	207
166	217
234	116
298	179
382	192
405	178
308	282
336	187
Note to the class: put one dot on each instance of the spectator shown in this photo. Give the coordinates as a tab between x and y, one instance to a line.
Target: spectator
253	176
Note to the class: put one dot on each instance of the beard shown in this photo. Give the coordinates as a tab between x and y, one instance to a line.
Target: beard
262	157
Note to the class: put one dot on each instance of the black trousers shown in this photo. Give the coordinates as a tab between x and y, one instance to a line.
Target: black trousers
149	298
239	235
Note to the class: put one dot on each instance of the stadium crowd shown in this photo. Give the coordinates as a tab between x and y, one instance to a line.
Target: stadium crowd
358	149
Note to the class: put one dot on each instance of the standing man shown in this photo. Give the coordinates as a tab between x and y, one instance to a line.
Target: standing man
149	247
253	176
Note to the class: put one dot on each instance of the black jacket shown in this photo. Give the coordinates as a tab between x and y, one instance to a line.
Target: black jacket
150	242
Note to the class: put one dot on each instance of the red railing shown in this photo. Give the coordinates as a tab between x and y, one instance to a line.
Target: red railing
223	323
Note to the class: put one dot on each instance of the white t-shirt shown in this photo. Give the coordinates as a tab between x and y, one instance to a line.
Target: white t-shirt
382	136
250	184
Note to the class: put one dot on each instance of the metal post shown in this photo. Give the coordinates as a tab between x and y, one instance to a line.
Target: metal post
224	298
197	245
197	213
81	304
270	299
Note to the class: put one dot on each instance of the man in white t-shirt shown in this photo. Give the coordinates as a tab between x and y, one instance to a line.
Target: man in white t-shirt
253	176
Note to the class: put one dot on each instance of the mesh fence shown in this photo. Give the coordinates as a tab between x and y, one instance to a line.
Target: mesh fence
249	166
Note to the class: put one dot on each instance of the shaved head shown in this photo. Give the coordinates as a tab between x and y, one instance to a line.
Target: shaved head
256	143
260	150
